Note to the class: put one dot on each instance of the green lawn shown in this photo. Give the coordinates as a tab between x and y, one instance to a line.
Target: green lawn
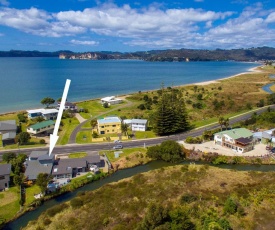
126	152
30	191
77	155
84	137
33	143
9	203
145	134
67	129
9	116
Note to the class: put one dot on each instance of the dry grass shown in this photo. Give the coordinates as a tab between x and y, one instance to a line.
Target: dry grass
124	203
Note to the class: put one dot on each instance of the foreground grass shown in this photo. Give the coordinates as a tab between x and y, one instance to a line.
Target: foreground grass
77	155
9	203
200	191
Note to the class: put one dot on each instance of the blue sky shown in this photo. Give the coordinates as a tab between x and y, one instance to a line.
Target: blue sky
94	25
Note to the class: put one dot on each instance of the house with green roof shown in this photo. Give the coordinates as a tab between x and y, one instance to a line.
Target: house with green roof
239	140
44	127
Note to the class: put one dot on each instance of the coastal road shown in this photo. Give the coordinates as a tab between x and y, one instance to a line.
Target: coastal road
70	148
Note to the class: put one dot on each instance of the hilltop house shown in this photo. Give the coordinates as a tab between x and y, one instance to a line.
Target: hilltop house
5	170
109	125
47	114
112	100
239	140
8	130
44	127
38	162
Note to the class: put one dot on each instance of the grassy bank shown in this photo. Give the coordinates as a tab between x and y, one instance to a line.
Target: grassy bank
204	196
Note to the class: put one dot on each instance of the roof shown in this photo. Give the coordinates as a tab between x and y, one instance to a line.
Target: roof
267	133
8	125
42	124
5	169
139	121
108	120
9	135
108	98
258	134
43	111
65	166
45	157
92	159
36	154
244	140
34	168
236	133
127	121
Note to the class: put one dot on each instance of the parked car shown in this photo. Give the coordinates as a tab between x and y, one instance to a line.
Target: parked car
118	147
117	141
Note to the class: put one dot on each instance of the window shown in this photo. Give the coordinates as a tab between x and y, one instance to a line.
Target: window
2	177
114	125
38	130
102	126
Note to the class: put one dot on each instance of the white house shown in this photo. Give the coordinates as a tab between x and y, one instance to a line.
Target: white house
239	140
68	106
139	125
112	100
47	114
44	126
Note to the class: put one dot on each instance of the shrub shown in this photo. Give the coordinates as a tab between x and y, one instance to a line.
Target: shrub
47	221
76	203
42	141
230	206
220	160
188	198
56	209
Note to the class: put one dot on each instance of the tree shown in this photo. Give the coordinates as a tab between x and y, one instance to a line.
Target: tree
124	128
221	122
42	181
47	101
8	156
105	105
18	179
22	117
23	138
93	123
226	123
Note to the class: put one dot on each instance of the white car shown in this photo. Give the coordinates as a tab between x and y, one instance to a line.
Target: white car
117	141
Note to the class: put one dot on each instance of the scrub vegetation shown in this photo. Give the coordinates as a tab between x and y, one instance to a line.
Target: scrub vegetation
192	197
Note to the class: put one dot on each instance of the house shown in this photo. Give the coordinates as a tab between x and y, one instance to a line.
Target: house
47	114
69	168
109	125
38	162
112	100
139	125
239	140
5	170
45	127
68	106
8	130
268	136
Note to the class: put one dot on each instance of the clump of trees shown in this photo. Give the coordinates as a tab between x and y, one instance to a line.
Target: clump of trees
23	138
170	115
47	101
169	151
42	181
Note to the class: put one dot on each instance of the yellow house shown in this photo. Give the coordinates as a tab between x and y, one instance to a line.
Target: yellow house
109	125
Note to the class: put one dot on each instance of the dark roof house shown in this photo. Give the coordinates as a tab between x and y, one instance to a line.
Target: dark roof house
8	130
5	170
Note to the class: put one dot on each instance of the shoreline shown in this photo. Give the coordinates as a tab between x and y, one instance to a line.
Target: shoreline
250	71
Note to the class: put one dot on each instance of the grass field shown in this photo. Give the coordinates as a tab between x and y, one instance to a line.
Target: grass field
69	125
84	137
77	155
9	203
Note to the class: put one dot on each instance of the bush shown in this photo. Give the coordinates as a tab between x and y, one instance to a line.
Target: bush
47	221
56	209
220	160
76	203
42	141
193	140
230	206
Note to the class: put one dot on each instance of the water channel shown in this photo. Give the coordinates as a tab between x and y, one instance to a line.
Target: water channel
121	174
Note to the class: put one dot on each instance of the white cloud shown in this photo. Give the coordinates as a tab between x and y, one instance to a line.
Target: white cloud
89	43
150	27
4	3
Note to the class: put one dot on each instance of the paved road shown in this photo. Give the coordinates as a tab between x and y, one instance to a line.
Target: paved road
70	148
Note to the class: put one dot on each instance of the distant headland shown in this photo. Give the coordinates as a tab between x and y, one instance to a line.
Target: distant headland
249	54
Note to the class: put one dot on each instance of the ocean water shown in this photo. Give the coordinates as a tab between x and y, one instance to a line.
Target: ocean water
25	81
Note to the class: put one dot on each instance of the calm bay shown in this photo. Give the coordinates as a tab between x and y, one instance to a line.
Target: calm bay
25	81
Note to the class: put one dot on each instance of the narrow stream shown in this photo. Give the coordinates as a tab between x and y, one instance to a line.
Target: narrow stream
121	174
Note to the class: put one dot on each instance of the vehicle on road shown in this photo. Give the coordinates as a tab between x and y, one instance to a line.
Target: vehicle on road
118	147
117	141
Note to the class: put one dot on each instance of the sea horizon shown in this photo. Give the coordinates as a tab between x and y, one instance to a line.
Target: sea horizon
35	78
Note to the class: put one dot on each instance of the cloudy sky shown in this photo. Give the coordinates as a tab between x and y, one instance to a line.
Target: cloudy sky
98	25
